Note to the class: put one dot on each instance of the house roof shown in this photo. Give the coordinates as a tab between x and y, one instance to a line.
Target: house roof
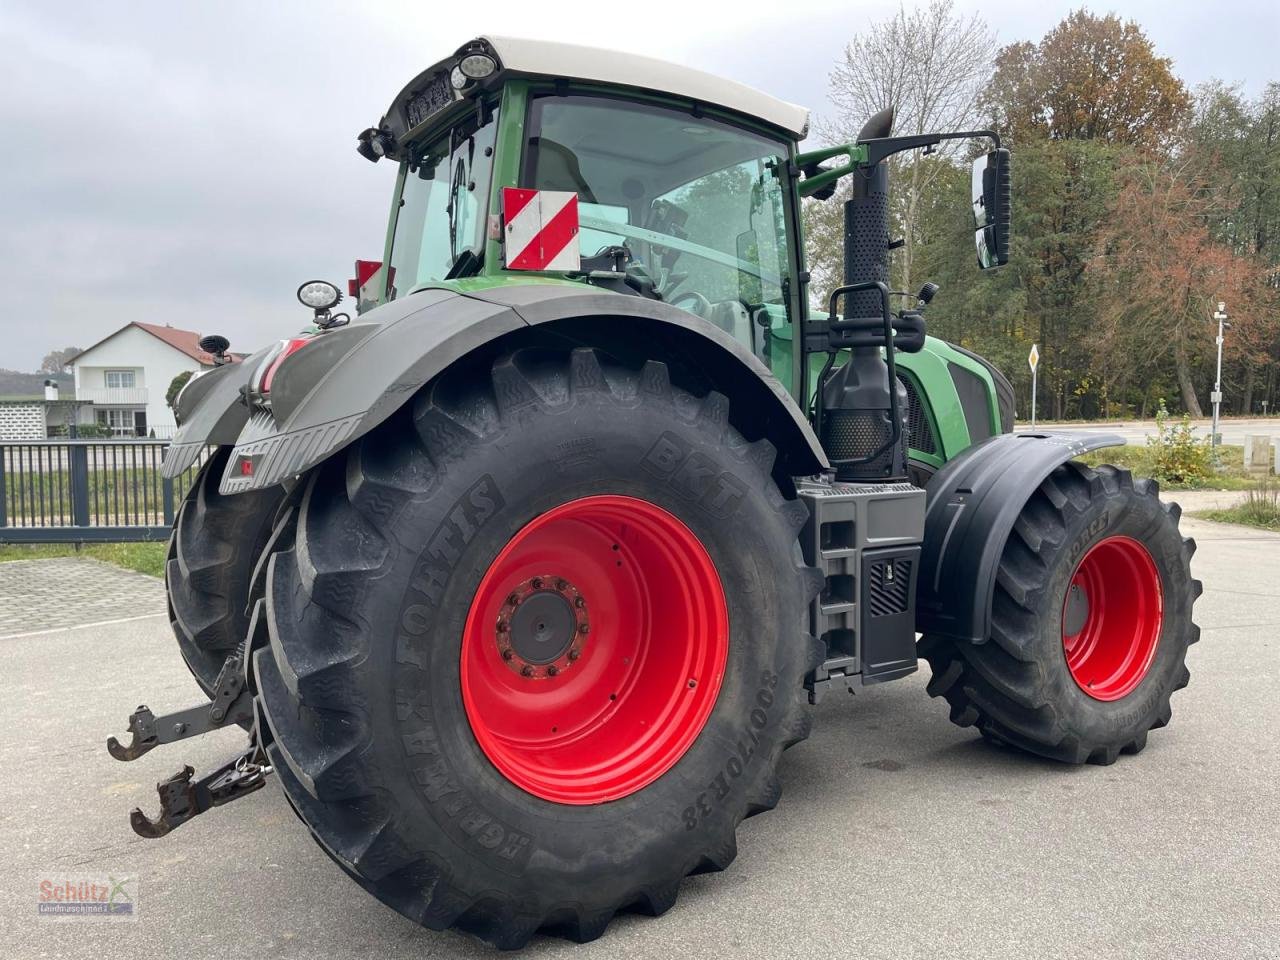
184	341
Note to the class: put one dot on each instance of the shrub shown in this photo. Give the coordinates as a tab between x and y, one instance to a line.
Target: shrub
1261	508
93	431
1177	455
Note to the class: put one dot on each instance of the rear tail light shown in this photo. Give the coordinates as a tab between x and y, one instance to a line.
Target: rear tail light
285	349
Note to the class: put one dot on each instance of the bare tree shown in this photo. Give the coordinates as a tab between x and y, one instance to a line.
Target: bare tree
58	361
929	64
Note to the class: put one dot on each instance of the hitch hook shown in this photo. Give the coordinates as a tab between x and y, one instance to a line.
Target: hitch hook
142	728
181	799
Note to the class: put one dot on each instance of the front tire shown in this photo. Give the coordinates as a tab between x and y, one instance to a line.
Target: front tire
1090	623
500	775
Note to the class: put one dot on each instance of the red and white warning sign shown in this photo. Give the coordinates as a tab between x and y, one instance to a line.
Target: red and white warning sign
541	229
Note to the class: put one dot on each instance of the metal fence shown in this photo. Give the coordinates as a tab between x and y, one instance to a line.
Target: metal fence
87	491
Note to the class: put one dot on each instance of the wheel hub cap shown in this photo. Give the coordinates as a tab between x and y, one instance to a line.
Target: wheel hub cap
542	627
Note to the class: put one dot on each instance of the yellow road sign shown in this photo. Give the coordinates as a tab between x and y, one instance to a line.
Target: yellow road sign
1034	357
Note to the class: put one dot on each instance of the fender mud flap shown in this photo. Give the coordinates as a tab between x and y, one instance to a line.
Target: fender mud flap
971	506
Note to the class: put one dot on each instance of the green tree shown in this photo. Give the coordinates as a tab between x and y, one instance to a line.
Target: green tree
1062	193
175	387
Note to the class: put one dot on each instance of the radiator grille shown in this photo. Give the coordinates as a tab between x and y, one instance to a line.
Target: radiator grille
919	430
887	592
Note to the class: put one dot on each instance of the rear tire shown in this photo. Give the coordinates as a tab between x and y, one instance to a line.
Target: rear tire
216	542
373	613
1079	678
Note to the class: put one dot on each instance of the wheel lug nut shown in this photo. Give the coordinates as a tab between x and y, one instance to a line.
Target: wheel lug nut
562	585
513	600
552	671
574	654
580	603
507	654
526	671
536	583
502	626
584	629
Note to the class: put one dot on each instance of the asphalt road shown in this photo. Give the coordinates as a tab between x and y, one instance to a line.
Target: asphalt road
899	835
1136	431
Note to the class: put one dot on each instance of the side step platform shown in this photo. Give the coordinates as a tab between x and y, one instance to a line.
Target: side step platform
865	539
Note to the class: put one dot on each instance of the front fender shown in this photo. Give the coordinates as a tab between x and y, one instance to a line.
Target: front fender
970	508
322	404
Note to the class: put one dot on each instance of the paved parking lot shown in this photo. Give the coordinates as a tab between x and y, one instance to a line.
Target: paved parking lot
38	595
899	836
1233	430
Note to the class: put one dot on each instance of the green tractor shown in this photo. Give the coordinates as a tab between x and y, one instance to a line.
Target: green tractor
522	581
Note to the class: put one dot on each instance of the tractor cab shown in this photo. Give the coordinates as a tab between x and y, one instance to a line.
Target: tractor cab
646	190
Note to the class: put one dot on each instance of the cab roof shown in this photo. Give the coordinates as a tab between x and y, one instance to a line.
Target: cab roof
554	60
550	58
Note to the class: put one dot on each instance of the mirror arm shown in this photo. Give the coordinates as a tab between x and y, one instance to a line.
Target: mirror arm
867	153
886	147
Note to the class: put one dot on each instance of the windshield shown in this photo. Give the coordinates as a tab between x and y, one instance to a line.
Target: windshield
440	222
697	204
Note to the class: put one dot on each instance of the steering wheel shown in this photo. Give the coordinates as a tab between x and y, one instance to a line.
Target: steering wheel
699	305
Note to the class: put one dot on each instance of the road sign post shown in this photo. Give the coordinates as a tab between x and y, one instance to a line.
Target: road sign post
1033	359
1220	315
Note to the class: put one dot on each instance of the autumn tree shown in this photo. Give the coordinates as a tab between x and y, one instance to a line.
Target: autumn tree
1160	271
1235	143
1090	78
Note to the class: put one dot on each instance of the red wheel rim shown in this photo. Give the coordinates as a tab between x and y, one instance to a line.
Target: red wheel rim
1111	618
594	650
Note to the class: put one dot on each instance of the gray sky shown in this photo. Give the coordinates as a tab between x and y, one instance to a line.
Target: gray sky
191	164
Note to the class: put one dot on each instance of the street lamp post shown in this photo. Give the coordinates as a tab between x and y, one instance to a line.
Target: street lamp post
1221	316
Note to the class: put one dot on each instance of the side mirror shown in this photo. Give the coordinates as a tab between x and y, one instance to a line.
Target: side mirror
992	208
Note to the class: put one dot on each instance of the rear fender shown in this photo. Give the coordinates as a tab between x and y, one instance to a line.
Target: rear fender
970	508
209	411
322	403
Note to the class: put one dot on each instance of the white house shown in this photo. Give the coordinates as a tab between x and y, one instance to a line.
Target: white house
126	375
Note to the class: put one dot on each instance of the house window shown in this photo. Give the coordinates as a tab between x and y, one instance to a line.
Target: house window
123	423
120	378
